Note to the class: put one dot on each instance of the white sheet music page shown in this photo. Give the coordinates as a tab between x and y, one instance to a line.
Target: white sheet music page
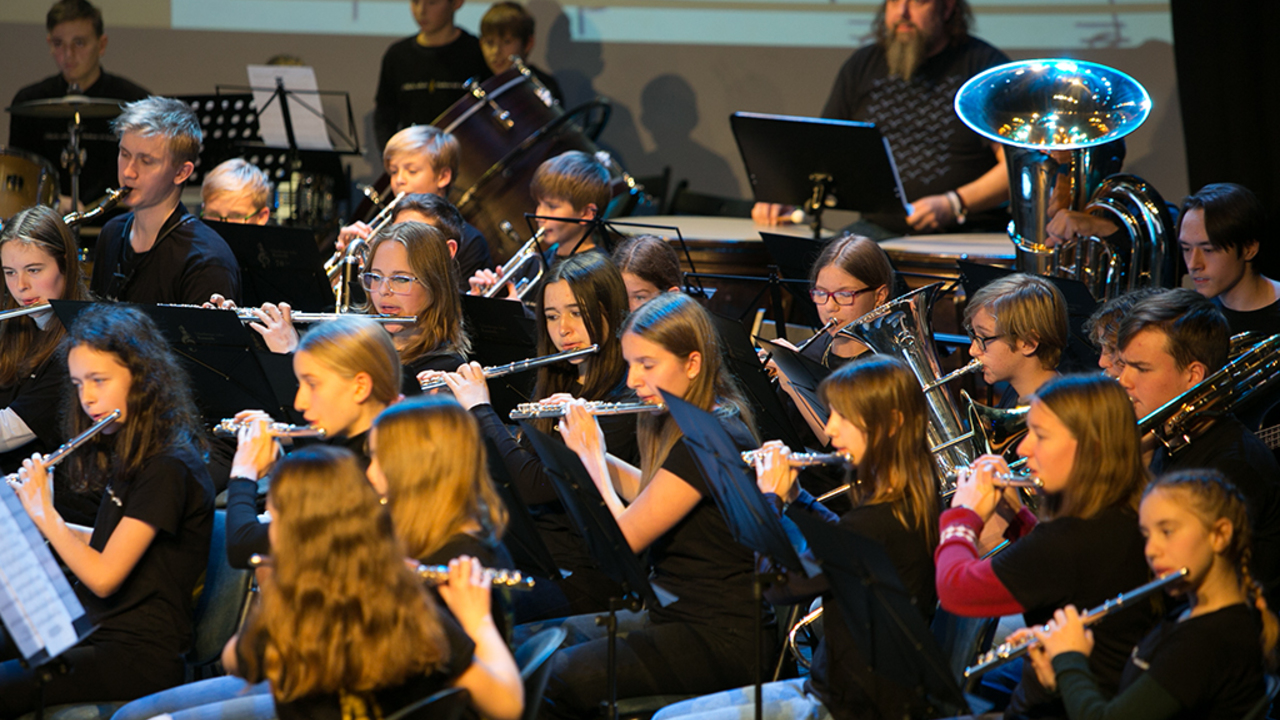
305	109
37	604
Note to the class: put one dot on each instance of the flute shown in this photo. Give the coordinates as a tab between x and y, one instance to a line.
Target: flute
246	315
821	331
28	310
228	427
439	574
520	366
526	411
69	446
1005	652
799	460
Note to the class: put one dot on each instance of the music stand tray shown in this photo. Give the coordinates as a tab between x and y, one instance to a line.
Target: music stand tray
278	264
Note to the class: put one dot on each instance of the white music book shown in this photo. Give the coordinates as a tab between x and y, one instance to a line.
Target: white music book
305	109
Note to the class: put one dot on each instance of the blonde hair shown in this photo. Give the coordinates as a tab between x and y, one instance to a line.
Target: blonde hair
440	148
1027	308
433	456
166	117
1108	468
237	177
882	398
439	325
682	327
341	613
352	345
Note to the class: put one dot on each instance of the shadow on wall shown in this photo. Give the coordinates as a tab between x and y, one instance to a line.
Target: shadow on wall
669	111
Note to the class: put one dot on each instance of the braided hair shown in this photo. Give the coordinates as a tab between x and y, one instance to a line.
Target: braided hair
1212	497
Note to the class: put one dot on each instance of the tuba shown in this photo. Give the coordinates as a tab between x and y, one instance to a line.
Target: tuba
1038	106
901	328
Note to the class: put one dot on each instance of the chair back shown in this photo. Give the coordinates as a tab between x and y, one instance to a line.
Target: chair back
532	657
447	704
217	614
961	639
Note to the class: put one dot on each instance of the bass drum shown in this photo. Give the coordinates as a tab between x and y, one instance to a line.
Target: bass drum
25	180
506	127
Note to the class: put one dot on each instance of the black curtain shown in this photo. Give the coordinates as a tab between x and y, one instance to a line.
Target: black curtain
1228	65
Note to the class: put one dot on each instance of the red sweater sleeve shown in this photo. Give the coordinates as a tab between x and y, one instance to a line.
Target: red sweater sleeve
967	586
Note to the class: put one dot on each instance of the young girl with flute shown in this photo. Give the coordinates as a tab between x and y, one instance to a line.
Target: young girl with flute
1208	657
704	641
1082	445
137	568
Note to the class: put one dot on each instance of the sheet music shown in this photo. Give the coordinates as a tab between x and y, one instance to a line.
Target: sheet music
305	109
37	604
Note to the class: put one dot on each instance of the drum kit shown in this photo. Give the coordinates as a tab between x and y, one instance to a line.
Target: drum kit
29	179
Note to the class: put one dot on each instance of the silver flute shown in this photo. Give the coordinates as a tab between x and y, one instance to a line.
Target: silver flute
439	574
520	366
1007	652
28	310
228	427
69	446
246	315
526	411
799	460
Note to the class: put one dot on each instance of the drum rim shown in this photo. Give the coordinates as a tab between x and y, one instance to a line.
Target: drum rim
28	155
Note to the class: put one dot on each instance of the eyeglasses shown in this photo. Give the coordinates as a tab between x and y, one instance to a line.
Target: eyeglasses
397	284
229	218
842	297
981	341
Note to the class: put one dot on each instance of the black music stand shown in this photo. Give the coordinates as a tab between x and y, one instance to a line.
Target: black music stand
887	627
229	369
278	264
819	164
750	517
738	353
604	540
501	333
794	257
521	538
805	375
665	232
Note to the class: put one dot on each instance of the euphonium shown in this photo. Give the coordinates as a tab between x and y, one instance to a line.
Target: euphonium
439	574
995	431
527	411
1174	423
1037	106
108	201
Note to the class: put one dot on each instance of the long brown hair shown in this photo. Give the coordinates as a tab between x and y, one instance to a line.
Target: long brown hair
651	259
161	413
682	327
597	287
882	398
431	452
23	345
860	257
439	327
1108	468
1211	497
340	613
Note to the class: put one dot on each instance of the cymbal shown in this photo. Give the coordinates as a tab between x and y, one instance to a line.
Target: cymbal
67	106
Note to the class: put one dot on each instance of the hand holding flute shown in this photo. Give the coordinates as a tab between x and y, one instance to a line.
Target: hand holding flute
774	474
256	448
983	487
275	323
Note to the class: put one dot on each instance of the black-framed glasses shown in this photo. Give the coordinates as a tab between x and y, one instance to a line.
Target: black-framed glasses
980	340
842	297
205	215
397	284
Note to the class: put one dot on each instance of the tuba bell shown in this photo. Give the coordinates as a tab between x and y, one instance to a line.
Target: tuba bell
1038	106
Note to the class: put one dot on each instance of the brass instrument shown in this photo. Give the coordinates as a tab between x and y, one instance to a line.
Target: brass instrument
247	315
439	574
1037	106
228	427
520	366
527	411
997	430
1174	423
799	460
69	446
1006	652
108	201
340	267
901	328
529	252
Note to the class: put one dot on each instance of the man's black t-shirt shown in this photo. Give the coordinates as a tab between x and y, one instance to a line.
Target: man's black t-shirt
1211	663
933	149
152	609
47	138
698	560
418	83
1228	447
188	263
1264	320
1084	563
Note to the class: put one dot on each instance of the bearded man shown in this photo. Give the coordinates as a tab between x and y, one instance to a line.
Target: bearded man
906	84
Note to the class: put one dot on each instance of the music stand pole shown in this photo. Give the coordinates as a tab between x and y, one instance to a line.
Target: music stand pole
817	201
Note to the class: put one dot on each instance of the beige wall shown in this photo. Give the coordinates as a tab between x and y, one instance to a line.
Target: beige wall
671	102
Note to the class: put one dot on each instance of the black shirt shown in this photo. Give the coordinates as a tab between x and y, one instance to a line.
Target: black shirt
444	361
1082	562
698	560
1211	663
1265	320
473	254
152	609
1228	447
490	553
188	263
934	151
47	138
416	83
